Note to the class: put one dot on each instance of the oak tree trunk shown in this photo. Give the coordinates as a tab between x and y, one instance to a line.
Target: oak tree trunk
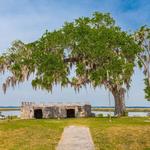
119	102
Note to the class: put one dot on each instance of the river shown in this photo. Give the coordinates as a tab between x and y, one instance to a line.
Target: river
105	113
130	114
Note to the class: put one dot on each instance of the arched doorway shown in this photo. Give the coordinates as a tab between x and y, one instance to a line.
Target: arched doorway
38	114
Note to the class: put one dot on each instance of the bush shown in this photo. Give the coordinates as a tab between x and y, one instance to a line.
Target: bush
100	115
12	117
126	113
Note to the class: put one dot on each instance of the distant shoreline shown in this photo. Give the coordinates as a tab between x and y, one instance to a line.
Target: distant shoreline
94	108
9	108
128	109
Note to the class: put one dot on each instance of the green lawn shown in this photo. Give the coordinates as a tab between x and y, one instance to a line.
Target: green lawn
120	134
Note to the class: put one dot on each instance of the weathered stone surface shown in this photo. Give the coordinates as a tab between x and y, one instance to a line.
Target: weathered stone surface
31	110
76	138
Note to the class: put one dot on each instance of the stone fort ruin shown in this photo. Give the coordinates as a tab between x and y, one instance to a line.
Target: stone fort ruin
30	110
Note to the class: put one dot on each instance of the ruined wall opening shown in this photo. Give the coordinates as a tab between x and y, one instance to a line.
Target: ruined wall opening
70	113
38	114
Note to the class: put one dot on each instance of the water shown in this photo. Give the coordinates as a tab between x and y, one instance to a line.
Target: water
138	114
130	114
11	113
105	113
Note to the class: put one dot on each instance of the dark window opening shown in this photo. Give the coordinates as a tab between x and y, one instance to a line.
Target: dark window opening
70	113
38	114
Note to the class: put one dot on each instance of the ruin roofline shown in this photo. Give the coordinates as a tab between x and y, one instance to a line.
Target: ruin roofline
54	104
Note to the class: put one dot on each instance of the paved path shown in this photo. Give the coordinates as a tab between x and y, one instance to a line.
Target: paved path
76	138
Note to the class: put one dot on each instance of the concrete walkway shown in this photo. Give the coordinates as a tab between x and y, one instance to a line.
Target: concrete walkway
76	138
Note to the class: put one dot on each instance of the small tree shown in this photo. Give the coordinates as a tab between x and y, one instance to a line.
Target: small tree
142	37
100	51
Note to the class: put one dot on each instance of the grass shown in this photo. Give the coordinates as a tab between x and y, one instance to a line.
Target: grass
120	134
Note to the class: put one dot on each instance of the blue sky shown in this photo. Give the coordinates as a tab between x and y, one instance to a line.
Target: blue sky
28	19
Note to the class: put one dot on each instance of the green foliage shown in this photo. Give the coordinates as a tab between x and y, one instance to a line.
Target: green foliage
102	49
147	89
101	52
100	115
142	37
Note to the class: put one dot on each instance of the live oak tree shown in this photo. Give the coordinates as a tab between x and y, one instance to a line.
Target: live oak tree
142	37
104	55
101	53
